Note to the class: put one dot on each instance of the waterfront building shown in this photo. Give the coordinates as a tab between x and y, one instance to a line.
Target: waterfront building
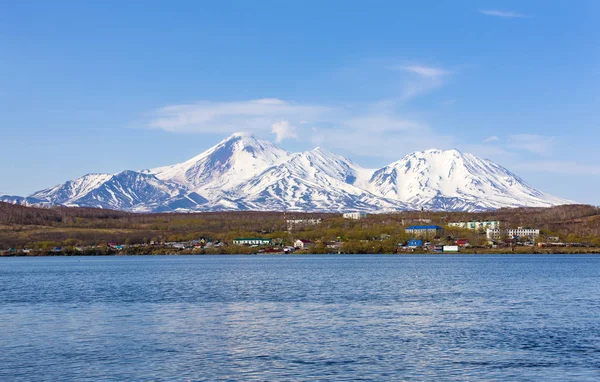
462	242
303	244
414	243
251	241
477	225
451	248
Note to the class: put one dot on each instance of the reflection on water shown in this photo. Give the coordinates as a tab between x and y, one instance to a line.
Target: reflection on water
300	317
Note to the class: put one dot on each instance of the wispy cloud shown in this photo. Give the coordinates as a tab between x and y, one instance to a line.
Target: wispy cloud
499	13
378	129
381	143
423	79
425	71
228	117
375	129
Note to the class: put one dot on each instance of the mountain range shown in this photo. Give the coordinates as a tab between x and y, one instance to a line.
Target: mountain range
243	172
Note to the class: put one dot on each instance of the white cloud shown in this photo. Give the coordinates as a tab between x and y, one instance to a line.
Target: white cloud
283	130
498	13
425	71
359	128
401	79
376	129
493	138
384	136
537	144
423	79
228	117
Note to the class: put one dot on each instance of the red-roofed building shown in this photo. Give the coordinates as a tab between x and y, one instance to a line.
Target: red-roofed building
462	243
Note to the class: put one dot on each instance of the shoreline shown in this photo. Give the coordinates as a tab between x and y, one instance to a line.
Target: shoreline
481	251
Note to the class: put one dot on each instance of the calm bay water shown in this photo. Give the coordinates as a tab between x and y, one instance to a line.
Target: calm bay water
300	318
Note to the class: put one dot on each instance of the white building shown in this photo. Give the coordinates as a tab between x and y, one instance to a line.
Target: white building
355	215
413	221
298	223
424	230
477	225
303	244
251	241
450	248
495	234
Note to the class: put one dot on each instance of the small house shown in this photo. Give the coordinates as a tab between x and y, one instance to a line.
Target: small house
462	242
415	243
451	248
303	244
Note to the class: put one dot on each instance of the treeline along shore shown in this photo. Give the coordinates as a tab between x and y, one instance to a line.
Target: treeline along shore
33	231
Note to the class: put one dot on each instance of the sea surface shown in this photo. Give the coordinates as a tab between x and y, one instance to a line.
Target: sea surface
371	317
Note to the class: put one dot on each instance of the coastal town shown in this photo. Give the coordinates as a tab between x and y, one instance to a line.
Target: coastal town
284	233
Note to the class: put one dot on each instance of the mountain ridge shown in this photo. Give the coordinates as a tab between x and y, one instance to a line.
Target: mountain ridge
243	172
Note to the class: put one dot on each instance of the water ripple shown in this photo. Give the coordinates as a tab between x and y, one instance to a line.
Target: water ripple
466	318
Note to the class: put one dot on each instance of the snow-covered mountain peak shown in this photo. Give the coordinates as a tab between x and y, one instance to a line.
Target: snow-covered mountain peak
439	151
238	143
451	154
225	165
240	134
449	179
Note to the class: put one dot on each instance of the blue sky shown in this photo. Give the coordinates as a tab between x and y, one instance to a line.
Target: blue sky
112	85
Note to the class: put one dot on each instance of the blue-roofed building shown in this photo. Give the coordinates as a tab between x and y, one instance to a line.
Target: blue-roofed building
424	230
414	243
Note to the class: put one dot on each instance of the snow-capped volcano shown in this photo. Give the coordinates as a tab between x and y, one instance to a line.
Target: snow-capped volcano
224	166
243	172
451	180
